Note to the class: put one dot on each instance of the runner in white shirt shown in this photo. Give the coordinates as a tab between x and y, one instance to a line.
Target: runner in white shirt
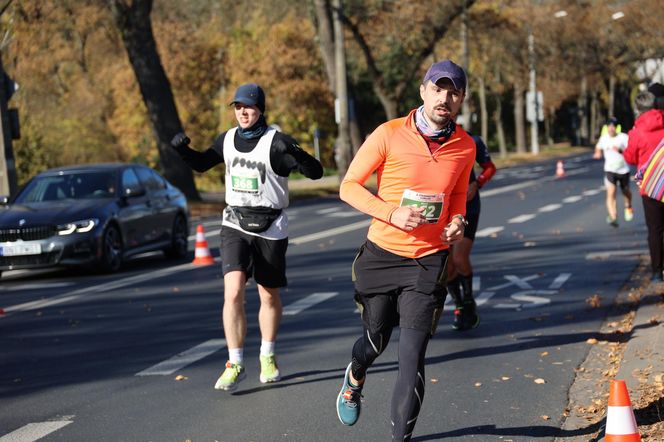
611	145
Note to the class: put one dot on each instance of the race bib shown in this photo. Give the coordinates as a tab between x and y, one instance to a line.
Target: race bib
432	203
245	183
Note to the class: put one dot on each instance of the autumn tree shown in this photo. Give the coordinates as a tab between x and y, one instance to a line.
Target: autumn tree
132	18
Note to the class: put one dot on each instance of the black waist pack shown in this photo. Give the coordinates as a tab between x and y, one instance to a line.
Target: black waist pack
256	219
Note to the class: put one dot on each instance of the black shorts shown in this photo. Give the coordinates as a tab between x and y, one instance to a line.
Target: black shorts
470	230
618	178
392	290
264	259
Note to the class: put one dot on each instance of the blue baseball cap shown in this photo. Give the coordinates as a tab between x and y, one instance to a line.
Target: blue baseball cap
250	94
446	69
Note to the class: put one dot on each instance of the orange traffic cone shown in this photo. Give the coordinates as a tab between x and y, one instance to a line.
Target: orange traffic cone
560	169
202	256
620	420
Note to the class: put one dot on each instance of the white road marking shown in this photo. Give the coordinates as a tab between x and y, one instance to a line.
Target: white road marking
549	208
35	431
488	231
99	288
609	253
572	199
328	210
519	282
181	360
331	232
307	302
560	280
46	285
521	218
591	192
483	298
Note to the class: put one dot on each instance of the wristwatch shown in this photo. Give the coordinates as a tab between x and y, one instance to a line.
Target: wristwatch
462	219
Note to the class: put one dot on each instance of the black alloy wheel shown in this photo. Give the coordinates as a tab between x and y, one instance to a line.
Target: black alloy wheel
111	257
179	238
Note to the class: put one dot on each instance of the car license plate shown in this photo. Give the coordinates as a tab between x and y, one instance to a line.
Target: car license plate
20	249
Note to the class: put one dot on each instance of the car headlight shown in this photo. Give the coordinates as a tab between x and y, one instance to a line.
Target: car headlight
77	226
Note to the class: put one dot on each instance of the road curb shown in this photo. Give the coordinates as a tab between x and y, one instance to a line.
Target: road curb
629	347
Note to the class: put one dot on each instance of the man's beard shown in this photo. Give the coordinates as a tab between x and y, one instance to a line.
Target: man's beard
441	120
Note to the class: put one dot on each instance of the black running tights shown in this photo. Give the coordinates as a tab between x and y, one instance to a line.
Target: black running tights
409	390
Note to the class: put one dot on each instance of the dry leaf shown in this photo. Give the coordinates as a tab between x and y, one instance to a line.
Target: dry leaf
478	384
539	381
544	353
591	341
180	378
594	301
434	381
545	417
505	378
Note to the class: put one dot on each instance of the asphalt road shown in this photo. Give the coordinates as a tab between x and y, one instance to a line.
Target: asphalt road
134	356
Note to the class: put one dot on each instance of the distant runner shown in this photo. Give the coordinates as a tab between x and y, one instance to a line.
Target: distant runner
611	146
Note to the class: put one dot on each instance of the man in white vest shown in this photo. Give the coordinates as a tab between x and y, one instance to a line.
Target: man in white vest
254	229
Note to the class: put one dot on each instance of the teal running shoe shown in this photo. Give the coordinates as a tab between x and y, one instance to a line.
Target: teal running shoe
349	401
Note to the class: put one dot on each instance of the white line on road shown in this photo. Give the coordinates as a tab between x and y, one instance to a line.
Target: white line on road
521	218
609	253
180	360
488	231
560	280
99	288
307	302
330	232
549	208
34	431
572	199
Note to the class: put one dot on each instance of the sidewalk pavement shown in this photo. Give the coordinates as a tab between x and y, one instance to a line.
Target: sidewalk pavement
629	347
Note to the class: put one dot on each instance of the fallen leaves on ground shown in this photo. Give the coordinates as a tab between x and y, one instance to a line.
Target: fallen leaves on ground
594	301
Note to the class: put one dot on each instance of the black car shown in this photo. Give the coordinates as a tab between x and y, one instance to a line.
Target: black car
92	215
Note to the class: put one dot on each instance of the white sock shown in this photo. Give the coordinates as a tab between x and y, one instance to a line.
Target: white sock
267	348
236	355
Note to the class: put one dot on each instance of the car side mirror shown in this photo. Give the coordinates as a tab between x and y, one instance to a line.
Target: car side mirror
131	192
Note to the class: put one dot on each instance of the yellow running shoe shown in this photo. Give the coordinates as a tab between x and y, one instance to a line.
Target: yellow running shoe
231	376
269	369
629	214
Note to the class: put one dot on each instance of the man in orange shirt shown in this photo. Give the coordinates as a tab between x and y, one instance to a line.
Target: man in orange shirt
423	163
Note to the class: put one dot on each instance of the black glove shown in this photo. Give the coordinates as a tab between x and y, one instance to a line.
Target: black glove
180	140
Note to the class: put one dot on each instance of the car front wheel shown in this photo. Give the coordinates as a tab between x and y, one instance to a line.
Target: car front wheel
111	256
179	239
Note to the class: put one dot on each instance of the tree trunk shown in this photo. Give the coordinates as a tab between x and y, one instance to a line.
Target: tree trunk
325	28
594	118
583	111
519	124
484	114
500	131
132	18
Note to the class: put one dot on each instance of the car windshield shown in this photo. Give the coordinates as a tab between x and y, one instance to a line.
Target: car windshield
75	185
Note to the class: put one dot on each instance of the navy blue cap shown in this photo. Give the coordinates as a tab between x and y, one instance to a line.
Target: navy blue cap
446	69
250	94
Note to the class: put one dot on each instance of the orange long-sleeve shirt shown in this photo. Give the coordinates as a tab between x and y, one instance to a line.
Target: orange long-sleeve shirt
402	159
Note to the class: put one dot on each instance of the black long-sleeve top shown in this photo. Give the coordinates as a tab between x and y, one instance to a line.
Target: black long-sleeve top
285	155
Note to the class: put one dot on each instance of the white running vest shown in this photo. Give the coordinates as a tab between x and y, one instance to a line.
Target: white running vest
251	182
